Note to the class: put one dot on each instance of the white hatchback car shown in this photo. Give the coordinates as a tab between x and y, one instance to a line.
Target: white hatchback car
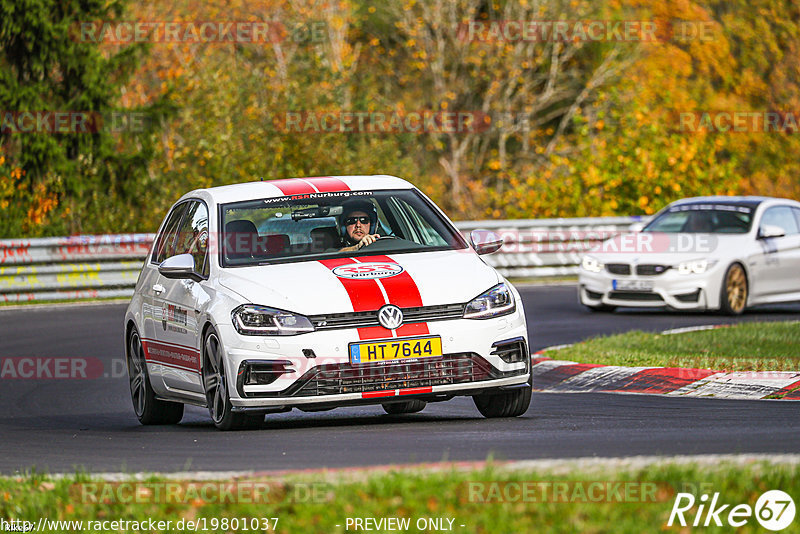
315	293
702	253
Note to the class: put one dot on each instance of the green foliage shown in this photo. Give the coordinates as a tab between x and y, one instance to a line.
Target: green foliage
577	128
59	183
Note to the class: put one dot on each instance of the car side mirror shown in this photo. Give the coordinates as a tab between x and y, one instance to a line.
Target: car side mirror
180	267
769	231
636	227
485	241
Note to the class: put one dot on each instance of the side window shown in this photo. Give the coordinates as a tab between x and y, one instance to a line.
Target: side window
193	236
781	216
796	212
165	244
415	227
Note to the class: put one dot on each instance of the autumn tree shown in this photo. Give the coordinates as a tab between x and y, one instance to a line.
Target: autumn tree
53	183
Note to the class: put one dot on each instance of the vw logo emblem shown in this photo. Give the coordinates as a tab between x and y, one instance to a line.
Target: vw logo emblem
390	316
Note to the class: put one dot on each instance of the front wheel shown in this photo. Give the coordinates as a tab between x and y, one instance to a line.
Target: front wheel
149	410
215	384
733	297
398	408
511	403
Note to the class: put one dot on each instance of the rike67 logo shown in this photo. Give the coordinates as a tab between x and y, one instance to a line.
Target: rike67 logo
774	510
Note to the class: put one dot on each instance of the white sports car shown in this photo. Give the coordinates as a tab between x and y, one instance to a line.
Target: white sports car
315	293
703	253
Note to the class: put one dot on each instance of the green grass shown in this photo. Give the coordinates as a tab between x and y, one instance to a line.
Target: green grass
458	495
743	347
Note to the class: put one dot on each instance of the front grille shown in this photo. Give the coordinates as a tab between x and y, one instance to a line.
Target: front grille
618	268
651	270
421	314
634	295
340	378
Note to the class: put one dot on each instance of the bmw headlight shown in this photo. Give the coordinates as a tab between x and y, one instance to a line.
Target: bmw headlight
695	266
254	320
493	303
591	264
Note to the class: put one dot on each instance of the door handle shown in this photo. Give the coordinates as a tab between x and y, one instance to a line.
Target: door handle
158	289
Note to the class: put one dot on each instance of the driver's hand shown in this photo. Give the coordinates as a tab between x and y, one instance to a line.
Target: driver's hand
368	240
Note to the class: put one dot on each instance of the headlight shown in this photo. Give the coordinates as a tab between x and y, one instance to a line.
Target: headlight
493	303
591	264
253	320
695	266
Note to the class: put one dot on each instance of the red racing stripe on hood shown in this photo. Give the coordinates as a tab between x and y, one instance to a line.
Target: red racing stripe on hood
402	292
401	289
365	295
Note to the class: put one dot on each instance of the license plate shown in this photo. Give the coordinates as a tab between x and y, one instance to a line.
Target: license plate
396	349
632	285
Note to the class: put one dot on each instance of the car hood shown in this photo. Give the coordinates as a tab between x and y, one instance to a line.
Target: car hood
344	284
668	249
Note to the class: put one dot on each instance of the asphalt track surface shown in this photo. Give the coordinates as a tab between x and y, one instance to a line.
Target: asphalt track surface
65	425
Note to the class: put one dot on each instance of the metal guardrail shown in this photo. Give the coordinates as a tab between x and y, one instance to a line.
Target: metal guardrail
87	267
538	248
71	268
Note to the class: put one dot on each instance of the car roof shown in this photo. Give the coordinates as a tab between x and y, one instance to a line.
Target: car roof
293	186
747	201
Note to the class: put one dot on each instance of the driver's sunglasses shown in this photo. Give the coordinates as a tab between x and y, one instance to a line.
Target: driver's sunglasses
352	220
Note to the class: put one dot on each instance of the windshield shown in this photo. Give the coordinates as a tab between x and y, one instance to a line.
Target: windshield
703	218
325	225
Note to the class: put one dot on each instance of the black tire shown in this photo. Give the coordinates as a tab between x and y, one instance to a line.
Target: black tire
512	403
215	384
602	308
149	410
399	408
733	295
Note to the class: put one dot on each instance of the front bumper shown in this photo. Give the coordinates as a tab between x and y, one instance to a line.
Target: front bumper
380	396
677	291
321	372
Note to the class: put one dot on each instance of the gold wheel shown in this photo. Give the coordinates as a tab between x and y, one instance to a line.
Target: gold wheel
736	288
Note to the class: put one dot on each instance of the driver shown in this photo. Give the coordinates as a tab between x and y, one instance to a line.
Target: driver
357	220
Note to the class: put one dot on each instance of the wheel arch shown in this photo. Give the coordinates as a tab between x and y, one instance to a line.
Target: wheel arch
208	325
129	326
